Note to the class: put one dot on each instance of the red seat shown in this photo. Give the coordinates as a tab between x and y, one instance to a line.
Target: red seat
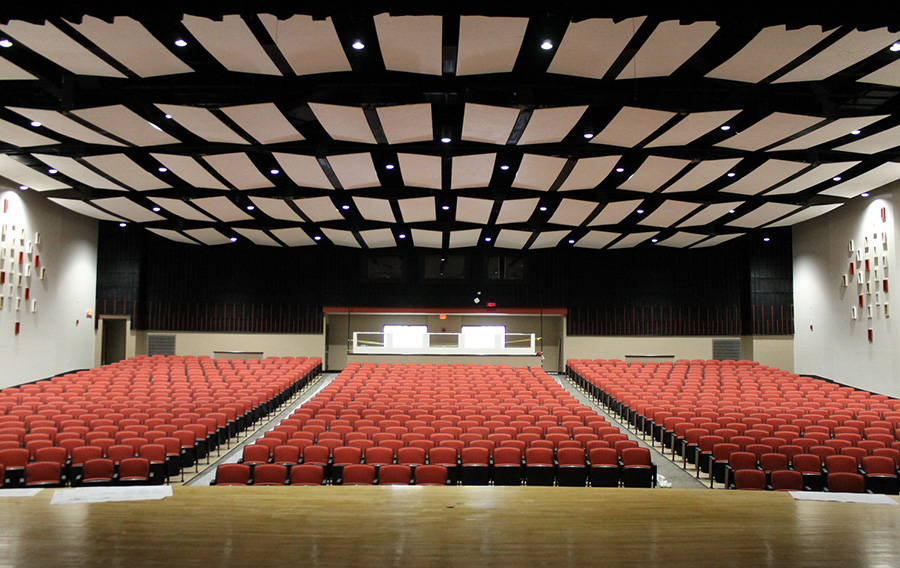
359	474
307	474
637	469
43	474
753	479
845	482
98	472
232	474
787	480
394	474
269	474
431	475
134	471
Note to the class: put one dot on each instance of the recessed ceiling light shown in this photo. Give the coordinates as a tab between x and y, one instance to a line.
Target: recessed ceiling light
620	170
250	207
588	135
317	238
487	239
123	224
766	239
35	123
731	210
445	207
836	178
357	45
546	44
504	167
23	187
855	132
865	194
571	241
233	239
168	117
725	127
345	207
157	209
654	240
445	139
401	236
5	42
389	166
51	171
730	174
163	169
542	208
894	46
274	172
640	211
180	42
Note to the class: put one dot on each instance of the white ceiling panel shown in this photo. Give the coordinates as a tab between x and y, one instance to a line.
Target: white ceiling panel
11	72
551	125
181	208
805	215
203	123
668	213
489	124
875	143
84	208
354	170
65	126
344	122
464	239
653	173
873	179
239	170
681	240
472	171
305	171
124	207
589	172
406	123
632	240
717	240
667	48
572	212
590	47
378	238
509	239
765	213
764	177
49	41
264	122
631	125
771	49
375	209
12	169
711	213
614	212
814	176
125	170
129	42
887	75
420	171
691	127
310	46
22	137
341	238
702	174
276	208
190	170
232	43
847	51
257	237
293	237
222	209
774	128
548	239
411	43
121	121
516	210
538	172
208	236
417	209
77	171
318	209
427	239
173	236
828	132
596	239
488	45
471	210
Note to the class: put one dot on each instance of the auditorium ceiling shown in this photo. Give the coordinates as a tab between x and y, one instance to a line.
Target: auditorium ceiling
404	124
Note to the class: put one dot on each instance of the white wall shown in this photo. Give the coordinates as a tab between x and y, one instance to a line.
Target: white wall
827	341
57	337
271	344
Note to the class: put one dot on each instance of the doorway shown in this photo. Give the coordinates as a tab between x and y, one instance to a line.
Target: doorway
113	341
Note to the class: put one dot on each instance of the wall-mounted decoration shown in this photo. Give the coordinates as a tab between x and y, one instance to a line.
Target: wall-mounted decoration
862	300
887	310
853	312
5	205
18	279
843	280
883	214
868	287
859	277
3	277
17	328
18	304
877	299
22	236
858	255
868	265
29	247
27	293
37	261
43	273
37	238
852	267
21	257
871	335
1	302
884	285
851	248
27	270
869	312
866	242
884	260
3	232
34	306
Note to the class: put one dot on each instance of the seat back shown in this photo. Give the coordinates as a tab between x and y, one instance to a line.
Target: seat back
269	474
307	474
847	464
442	456
359	474
845	482
475	456
539	456
411	456
787	480
394	474
317	455
231	474
604	457
570	457
431	475
99	469
636	457
134	469
379	455
753	479
286	454
43	473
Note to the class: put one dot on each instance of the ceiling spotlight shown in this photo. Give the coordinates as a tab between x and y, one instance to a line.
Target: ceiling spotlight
571	241
389	166
487	239
180	42
654	240
766	239
233	239
35	123
640	211
731	210
445	139
836	178
504	167
250	208
23	187
542	208
317	238
588	135
864	194
725	127
123	224
345	207
894	46
168	117
5	42
357	45
401	236
855	132
546	45
274	172
445	207
730	174
163	169
620	170
156	209
51	171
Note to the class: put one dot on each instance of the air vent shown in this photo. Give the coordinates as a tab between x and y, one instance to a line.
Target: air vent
158	344
724	349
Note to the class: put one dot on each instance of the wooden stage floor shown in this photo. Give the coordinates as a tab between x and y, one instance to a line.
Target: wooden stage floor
449	526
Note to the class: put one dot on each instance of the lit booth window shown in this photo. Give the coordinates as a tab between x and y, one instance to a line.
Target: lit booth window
406	336
483	337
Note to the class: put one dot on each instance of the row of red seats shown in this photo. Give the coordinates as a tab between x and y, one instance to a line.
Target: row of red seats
875	474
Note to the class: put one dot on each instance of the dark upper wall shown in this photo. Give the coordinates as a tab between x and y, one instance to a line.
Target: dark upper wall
740	287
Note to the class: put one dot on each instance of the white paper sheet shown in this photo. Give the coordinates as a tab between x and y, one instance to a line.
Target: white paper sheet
844	497
19	492
110	494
